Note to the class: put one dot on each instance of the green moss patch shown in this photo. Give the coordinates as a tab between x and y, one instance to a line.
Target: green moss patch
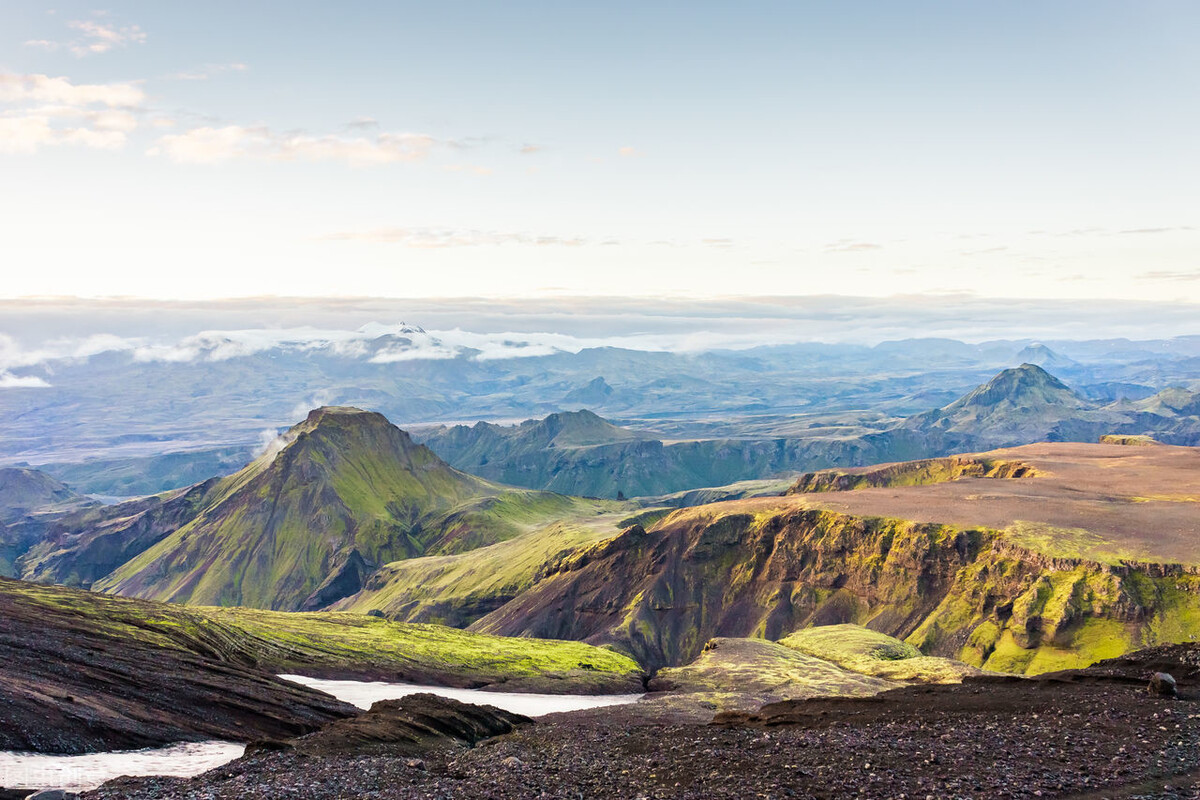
869	652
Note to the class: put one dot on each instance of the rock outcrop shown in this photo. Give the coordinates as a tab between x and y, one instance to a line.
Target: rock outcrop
411	725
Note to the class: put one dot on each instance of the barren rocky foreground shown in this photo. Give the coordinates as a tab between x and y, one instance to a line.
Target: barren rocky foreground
1095	733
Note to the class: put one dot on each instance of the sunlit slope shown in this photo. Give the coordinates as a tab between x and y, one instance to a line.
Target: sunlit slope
460	588
1068	553
300	527
318	644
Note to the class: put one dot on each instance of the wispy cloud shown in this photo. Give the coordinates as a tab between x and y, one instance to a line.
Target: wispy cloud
851	247
629	152
38	110
93	37
436	238
10	381
1157	230
207	71
1167	275
210	145
530	149
17	88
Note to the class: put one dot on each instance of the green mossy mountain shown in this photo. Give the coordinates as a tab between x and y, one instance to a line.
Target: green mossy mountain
340	493
302	526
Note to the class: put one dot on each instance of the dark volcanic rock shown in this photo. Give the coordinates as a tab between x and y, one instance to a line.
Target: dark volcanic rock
410	726
1162	683
1084	735
72	681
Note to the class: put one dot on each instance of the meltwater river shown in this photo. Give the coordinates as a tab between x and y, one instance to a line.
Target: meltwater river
38	771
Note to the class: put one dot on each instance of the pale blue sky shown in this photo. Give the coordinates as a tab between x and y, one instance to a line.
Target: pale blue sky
1021	149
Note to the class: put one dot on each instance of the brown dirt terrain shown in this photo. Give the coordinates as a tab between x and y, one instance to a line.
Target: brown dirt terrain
1144	502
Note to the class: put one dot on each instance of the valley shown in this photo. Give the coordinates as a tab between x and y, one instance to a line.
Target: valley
350	549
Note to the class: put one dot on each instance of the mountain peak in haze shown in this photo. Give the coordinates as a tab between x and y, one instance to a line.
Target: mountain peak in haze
581	428
596	392
1042	356
1018	405
1026	386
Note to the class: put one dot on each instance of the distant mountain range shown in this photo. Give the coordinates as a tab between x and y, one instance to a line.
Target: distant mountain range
580	453
210	400
345	511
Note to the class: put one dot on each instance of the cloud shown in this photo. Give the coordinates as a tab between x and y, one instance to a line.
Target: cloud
533	326
363	123
1166	275
94	37
435	238
1157	230
629	152
10	381
852	247
718	243
530	149
15	88
207	71
37	111
209	145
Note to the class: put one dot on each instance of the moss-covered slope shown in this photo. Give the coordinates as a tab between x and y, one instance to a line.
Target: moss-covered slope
82	671
716	570
302	525
1027	598
459	588
746	673
869	652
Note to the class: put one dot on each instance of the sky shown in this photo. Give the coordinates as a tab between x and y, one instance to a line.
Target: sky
691	150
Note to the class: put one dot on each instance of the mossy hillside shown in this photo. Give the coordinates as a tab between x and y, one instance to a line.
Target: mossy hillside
732	673
347	490
869	652
1016	610
484	521
1070	543
765	573
763	570
338	644
912	473
1129	440
458	589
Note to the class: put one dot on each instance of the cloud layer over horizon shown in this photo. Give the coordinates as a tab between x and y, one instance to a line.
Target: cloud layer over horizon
40	334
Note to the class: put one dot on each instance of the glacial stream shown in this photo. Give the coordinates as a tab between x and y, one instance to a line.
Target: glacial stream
76	773
364	693
38	771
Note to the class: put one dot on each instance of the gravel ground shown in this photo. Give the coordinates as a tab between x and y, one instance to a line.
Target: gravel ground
1085	740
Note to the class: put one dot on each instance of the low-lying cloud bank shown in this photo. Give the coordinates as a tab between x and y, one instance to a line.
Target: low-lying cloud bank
39	333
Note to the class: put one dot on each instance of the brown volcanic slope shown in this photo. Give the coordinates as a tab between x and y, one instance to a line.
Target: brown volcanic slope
1066	554
1138	503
